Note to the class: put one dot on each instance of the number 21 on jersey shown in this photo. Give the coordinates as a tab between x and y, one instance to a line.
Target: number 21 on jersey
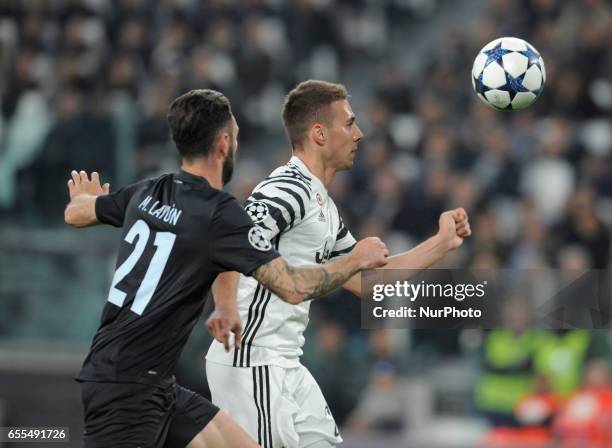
163	242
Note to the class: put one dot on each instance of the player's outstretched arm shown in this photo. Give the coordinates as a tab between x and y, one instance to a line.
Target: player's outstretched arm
296	284
81	210
454	227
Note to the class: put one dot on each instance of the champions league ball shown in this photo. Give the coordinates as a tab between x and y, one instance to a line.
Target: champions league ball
508	74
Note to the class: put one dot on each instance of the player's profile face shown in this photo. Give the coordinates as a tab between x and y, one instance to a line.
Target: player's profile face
344	135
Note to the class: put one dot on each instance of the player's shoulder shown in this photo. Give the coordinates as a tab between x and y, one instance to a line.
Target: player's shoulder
146	182
153	181
223	199
288	178
225	208
194	186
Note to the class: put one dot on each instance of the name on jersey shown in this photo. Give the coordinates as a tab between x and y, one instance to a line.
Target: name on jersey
166	213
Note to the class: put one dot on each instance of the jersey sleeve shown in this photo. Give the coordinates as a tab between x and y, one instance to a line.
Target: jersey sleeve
110	208
236	244
345	242
278	204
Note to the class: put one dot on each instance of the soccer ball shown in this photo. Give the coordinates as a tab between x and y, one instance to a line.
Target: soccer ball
508	74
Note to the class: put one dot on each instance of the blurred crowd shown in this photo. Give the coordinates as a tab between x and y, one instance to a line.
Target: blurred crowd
85	84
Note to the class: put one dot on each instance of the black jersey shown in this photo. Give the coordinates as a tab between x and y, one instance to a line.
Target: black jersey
178	234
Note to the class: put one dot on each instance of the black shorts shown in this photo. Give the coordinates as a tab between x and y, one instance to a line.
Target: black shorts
141	415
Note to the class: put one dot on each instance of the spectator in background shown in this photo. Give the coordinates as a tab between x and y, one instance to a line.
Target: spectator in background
539	408
330	363
382	406
586	417
561	357
549	179
81	137
422	202
507	365
583	226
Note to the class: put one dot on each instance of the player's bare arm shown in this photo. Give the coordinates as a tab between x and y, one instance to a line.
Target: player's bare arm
454	227
83	190
225	317
297	284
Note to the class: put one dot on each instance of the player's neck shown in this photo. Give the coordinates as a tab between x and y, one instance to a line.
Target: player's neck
316	166
206	169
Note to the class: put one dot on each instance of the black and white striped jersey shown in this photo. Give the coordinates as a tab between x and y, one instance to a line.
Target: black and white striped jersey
293	209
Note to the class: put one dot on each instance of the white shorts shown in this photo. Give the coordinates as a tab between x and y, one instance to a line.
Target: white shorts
278	407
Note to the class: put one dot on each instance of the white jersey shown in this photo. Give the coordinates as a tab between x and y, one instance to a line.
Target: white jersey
293	209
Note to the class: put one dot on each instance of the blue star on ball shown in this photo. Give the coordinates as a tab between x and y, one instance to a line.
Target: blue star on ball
514	85
532	55
495	54
479	86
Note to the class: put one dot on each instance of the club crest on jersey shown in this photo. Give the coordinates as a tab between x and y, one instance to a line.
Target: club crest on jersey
258	211
319	199
258	240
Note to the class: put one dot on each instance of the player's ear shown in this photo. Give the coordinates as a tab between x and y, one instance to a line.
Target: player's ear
223	144
318	133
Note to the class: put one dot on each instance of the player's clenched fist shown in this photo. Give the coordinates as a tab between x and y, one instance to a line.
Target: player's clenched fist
370	253
454	227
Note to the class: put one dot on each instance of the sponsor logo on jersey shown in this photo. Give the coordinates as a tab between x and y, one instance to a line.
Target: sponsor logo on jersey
258	240
322	255
322	216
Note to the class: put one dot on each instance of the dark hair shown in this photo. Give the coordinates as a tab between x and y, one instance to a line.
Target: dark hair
195	118
308	103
